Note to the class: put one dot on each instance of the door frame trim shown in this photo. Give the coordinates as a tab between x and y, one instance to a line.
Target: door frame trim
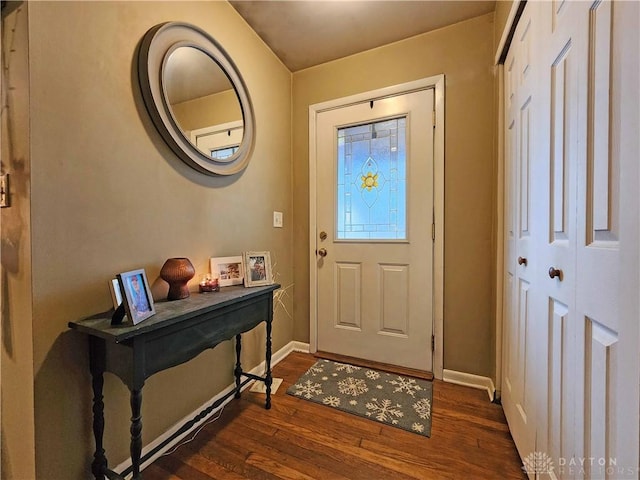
437	83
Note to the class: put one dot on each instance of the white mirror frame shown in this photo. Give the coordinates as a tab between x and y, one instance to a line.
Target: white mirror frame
156	47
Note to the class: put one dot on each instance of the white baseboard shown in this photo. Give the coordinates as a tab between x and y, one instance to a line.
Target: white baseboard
258	370
470	380
299	347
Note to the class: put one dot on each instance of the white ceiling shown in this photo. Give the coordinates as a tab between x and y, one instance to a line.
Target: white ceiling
303	33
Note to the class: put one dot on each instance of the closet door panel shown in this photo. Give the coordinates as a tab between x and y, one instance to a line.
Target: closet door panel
559	150
520	344
610	335
601	396
599	208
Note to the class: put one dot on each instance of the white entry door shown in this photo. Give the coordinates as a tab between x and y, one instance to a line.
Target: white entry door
374	230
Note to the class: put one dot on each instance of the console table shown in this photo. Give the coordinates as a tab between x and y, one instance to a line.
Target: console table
178	332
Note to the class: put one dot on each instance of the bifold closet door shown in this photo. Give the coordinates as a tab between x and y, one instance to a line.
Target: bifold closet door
571	86
518	387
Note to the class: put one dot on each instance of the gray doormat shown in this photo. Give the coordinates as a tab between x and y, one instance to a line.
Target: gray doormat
392	399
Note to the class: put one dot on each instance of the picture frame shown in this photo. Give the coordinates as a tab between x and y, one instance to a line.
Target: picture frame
257	267
116	294
228	270
136	295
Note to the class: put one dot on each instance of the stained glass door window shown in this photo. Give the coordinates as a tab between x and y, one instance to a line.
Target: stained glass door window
372	181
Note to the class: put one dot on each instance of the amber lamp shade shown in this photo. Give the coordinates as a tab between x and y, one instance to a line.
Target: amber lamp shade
177	272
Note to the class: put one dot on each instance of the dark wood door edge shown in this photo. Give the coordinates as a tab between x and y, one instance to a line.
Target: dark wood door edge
360	362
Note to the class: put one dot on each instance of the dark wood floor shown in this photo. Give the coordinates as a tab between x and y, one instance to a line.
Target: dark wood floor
298	439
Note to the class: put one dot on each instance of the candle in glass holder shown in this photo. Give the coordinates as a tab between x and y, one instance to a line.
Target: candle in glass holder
208	284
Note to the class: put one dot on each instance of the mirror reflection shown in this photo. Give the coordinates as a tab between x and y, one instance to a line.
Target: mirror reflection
203	102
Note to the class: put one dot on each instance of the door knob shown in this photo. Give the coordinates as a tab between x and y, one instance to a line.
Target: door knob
522	261
554	272
322	252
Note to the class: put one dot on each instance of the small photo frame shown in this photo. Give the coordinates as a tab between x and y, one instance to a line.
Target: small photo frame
257	267
229	270
116	294
136	294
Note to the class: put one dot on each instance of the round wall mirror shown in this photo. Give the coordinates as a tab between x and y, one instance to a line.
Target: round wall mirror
196	98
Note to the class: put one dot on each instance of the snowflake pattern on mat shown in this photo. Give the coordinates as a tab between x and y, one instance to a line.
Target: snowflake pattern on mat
423	408
388	398
308	389
346	368
407	385
384	411
352	386
316	369
331	401
372	374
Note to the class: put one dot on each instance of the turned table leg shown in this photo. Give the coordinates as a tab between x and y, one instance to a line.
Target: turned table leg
136	432
96	365
268	380
238	370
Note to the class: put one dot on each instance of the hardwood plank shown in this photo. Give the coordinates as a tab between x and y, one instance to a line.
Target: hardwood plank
233	459
327	437
212	469
298	439
180	469
282	453
353	466
156	472
276	468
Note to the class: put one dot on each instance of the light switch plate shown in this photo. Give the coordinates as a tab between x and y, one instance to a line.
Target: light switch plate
277	219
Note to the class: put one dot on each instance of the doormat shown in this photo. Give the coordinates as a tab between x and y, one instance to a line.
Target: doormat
392	399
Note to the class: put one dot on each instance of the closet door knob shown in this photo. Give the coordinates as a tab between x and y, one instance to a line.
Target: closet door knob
554	272
522	261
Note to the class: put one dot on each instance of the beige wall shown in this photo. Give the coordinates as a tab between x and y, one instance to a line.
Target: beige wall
464	53
215	109
107	195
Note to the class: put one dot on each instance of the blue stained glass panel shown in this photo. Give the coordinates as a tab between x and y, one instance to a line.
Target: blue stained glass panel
372	181
225	152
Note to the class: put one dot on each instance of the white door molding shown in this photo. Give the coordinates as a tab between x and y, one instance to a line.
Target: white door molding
437	83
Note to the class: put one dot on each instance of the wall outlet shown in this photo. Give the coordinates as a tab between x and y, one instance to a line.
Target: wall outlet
277	219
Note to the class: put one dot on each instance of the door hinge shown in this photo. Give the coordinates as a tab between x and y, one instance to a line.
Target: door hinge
433	232
433	117
4	190
433	343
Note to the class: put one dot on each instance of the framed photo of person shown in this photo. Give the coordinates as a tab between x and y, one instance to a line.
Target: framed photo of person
229	270
136	295
257	267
